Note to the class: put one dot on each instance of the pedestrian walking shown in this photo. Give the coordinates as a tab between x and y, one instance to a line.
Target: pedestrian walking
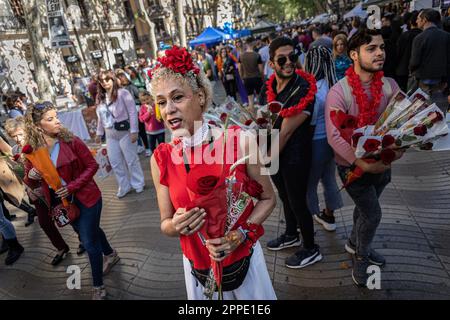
118	120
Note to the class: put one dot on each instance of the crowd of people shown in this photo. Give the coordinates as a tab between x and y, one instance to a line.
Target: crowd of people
310	70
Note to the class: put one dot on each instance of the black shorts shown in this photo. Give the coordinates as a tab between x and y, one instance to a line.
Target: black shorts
253	85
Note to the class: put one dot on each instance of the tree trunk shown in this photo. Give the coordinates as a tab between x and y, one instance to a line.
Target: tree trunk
41	71
77	36
181	24
151	25
105	40
319	6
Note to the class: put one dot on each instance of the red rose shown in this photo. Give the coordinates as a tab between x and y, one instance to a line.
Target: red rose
223	117
435	116
261	121
248	122
387	156
16	157
387	141
108	168
212	122
349	122
27	149
371	145
104	152
420	97
253	188
274	107
355	138
420	130
206	184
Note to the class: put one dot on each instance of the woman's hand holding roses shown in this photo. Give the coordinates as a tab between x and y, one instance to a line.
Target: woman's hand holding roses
220	248
188	222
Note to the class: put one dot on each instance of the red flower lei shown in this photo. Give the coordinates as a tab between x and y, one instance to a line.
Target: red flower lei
303	103
368	110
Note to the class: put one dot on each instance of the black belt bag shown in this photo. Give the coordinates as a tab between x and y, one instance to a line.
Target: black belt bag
122	125
233	275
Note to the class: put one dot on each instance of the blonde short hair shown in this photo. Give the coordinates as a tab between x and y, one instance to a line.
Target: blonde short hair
12	125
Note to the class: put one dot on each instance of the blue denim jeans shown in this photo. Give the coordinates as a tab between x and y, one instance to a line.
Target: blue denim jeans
6	227
365	193
93	238
323	168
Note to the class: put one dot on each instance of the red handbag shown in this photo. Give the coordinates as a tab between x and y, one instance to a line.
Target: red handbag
63	215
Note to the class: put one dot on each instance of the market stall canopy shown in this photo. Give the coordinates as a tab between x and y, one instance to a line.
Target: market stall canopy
209	36
321	18
375	2
357	11
263	26
242	33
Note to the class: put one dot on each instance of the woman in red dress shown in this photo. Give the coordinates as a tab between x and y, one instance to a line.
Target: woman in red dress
183	93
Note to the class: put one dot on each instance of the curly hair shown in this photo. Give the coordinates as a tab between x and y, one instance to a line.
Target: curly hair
195	82
35	136
11	125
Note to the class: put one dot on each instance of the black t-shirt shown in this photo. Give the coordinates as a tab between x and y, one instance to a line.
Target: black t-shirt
298	148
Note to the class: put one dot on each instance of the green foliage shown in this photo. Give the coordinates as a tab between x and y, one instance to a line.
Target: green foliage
285	10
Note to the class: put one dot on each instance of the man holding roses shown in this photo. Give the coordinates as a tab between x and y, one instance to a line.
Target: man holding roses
363	93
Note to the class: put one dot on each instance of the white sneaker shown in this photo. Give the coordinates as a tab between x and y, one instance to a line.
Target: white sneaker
140	190
140	149
122	194
148	153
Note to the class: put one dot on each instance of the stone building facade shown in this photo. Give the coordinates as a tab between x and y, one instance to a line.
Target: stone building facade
91	50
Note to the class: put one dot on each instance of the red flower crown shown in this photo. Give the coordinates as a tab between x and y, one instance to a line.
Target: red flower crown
178	60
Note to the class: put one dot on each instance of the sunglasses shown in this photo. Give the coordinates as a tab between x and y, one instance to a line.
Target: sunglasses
43	105
293	57
106	79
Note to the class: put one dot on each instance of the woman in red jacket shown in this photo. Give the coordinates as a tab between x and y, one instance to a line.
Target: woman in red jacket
76	167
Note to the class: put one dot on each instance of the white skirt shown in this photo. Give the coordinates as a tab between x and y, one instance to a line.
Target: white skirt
256	285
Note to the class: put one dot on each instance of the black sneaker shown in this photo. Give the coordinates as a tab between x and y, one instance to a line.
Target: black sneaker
284	241
303	258
374	257
327	222
350	247
359	272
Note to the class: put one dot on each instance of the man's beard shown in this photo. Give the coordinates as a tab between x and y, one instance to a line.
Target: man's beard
369	68
280	74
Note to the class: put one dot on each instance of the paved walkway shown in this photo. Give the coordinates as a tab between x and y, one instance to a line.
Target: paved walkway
414	237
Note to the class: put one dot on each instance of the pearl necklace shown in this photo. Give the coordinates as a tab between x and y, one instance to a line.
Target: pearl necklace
197	139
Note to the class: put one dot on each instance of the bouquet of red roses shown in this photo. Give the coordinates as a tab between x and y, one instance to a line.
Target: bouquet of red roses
225	196
406	122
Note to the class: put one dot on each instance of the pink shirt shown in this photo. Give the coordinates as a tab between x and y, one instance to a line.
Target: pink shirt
152	125
344	153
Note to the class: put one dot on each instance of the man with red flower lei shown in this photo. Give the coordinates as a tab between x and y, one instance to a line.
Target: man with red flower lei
295	90
363	93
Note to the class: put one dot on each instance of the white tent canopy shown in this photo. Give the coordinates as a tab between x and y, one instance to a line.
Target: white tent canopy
357	11
321	18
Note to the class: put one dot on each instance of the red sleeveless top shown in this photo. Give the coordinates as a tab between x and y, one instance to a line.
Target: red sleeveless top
173	174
